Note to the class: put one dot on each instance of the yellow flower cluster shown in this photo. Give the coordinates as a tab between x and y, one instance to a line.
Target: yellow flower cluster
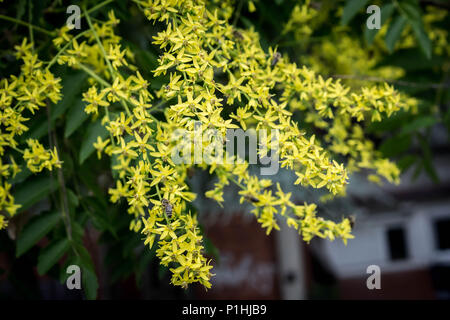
140	148
302	20
343	55
220	77
20	97
38	158
213	66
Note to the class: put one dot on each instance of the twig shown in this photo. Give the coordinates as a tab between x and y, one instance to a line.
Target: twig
63	196
63	49
102	4
238	12
53	142
26	24
30	26
398	82
100	45
93	74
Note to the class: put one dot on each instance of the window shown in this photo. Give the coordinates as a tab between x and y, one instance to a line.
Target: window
442	229
397	243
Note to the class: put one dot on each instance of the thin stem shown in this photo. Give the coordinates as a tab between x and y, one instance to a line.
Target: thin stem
50	143
238	12
102	4
102	49
106	84
160	104
110	134
93	74
440	91
26	24
160	199
108	63
64	201
398	82
30	26
55	58
236	182
124	104
17	149
295	42
60	176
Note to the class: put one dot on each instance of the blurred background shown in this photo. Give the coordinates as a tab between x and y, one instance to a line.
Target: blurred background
404	229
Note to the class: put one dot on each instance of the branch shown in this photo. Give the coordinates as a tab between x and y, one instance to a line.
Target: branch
26	24
435	4
397	82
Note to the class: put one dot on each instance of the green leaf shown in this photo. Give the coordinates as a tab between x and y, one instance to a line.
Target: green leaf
395	145
21	176
351	9
93	131
75	118
35	230
90	283
447	120
20	9
412	12
427	160
38	130
84	256
394	32
410	60
419	123
162	271
246	22
88	276
146	59
386	12
406	162
77	230
143	263
72	85
32	191
211	250
51	255
89	179
73	198
101	218
123	270
63	275
411	9
422	38
393	123
417	171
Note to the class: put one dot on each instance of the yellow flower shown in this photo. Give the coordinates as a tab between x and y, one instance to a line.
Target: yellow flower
94	100
117	56
100	146
38	158
3	222
220	76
